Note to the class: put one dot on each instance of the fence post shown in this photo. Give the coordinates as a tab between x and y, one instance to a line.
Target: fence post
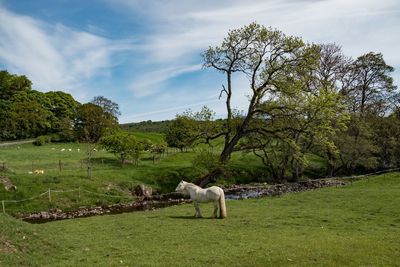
49	195
60	165
79	193
4	208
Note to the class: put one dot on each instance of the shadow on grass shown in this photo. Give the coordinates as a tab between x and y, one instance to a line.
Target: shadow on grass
190	217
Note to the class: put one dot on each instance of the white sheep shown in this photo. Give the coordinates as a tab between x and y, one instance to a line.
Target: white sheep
62	149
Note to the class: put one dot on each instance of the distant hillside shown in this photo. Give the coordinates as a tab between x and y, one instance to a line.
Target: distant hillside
147	126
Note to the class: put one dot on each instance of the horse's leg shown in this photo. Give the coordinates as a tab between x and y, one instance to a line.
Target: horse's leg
197	207
215	215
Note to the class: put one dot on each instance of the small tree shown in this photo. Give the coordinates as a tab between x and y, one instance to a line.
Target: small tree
180	133
120	144
158	150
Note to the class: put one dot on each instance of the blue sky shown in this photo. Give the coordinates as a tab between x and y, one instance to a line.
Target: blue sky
145	54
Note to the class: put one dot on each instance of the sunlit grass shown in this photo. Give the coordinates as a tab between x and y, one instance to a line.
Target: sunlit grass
355	225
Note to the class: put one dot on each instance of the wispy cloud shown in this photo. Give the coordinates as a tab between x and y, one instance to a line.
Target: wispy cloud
171	110
54	56
152	82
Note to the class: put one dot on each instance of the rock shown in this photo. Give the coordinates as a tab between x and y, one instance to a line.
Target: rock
143	191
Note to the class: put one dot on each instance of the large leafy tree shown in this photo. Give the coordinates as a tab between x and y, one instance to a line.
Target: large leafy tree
369	94
301	117
92	123
180	133
64	108
372	87
191	127
10	85
264	56
107	105
29	114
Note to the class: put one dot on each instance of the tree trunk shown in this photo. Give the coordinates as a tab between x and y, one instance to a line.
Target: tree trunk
210	177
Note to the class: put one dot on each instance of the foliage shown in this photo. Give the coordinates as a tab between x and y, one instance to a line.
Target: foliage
41	140
109	107
299	95
26	113
179	133
147	126
64	109
206	160
92	123
264	56
386	138
123	145
372	88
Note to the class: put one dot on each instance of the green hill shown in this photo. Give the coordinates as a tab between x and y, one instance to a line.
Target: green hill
147	126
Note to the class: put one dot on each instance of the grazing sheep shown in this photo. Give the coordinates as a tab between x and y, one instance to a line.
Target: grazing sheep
62	149
79	150
39	171
69	149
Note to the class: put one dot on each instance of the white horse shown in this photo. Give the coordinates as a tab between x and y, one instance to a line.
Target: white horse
198	194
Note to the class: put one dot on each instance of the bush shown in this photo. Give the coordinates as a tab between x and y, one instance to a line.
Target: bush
41	140
206	160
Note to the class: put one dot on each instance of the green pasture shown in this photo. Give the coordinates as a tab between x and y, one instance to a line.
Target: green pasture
109	180
354	225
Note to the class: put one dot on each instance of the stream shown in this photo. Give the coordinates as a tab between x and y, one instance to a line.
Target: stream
235	192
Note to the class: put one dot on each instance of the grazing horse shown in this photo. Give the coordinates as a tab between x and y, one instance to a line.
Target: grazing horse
198	194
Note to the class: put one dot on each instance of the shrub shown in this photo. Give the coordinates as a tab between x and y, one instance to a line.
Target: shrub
41	140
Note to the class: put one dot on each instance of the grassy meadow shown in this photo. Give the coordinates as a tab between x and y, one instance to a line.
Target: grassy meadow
109	180
354	225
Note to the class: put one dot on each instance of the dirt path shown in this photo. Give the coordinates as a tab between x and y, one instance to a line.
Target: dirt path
12	143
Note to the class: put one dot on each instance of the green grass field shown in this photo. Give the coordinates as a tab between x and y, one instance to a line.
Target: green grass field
355	225
109	179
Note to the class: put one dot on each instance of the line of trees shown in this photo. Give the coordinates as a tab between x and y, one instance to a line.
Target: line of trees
27	113
304	98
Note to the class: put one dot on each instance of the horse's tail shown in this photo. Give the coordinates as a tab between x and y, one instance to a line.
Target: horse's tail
222	207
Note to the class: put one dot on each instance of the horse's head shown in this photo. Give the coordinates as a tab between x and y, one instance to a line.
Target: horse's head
181	187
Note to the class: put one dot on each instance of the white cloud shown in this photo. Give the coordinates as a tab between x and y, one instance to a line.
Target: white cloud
151	82
53	57
181	30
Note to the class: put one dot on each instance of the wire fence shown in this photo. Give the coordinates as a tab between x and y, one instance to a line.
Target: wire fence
353	177
50	193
